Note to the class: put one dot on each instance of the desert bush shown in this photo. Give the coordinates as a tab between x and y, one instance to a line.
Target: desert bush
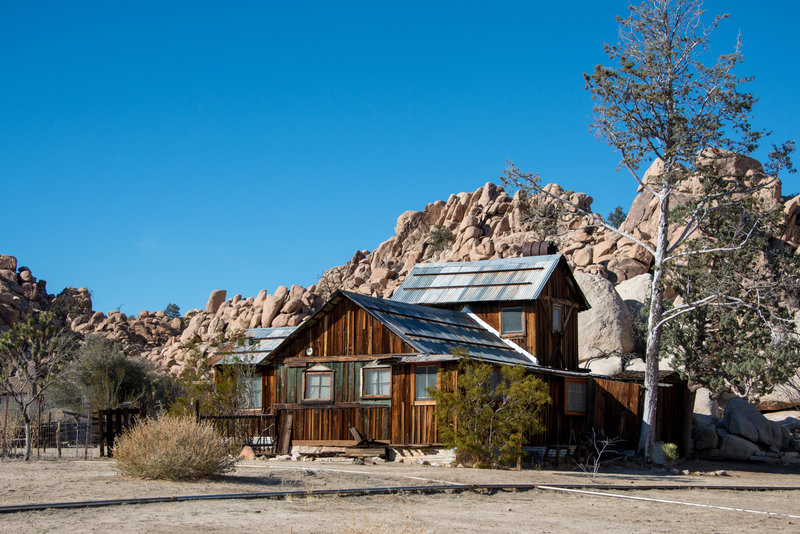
439	238
670	454
172	448
491	413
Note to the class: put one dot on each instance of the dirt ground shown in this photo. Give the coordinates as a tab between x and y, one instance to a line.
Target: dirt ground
688	510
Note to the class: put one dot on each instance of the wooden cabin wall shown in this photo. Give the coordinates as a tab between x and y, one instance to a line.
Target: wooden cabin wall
489	312
413	423
618	406
559	428
333	422
346	382
347	330
324	422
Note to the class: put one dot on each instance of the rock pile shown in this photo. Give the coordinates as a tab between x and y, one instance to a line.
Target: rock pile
744	433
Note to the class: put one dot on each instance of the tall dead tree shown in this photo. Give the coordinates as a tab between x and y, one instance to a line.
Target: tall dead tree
662	100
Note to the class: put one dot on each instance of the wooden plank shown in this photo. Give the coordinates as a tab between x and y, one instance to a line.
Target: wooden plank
286	433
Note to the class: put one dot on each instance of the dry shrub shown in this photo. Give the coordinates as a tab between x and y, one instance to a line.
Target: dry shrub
172	448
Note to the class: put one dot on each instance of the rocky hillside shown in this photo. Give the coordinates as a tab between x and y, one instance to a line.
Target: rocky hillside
486	223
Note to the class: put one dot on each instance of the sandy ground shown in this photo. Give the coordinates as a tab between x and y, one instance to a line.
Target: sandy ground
503	511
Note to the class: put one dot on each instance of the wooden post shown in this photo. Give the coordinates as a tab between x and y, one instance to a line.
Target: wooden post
5	431
49	422
38	427
197	409
58	438
88	429
101	433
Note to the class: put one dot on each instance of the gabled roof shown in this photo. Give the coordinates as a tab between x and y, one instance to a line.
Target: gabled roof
435	331
506	279
430	332
259	344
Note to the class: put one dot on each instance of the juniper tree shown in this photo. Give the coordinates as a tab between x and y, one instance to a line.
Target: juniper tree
661	99
491	411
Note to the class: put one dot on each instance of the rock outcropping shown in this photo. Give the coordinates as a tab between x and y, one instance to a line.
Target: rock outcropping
483	224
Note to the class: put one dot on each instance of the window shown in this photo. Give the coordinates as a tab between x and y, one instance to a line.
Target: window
376	382
318	383
575	399
424	377
511	321
558	318
251	392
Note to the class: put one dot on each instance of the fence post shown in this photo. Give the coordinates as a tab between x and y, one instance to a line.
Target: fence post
197	409
101	433
58	438
88	428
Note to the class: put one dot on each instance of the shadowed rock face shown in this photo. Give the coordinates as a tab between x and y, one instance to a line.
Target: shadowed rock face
486	223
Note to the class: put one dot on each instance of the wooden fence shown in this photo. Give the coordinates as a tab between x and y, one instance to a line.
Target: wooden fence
113	422
256	430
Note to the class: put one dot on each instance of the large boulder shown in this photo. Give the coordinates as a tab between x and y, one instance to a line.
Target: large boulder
8	262
215	300
606	327
743	419
783	397
273	305
704	432
737	448
635	292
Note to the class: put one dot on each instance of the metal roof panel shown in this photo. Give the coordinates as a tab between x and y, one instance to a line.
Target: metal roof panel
505	279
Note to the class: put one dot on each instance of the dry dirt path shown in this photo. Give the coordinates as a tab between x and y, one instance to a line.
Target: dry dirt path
524	511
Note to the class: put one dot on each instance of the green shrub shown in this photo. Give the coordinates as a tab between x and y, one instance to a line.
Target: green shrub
670	454
172	448
439	238
492	411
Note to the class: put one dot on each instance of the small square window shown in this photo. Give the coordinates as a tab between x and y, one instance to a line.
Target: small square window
575	398
376	382
424	377
511	321
318	385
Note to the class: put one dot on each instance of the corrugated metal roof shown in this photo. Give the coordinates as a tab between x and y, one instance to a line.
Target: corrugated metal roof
504	279
259	344
434	331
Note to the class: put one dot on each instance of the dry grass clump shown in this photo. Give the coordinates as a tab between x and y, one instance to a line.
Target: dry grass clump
172	448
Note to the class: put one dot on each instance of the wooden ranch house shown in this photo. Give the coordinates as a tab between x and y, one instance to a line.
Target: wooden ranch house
365	363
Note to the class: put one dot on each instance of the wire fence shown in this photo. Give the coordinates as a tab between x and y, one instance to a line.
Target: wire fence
60	434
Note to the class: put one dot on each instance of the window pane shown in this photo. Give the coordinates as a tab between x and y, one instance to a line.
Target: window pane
557	314
318	386
424	377
377	382
251	392
511	321
576	396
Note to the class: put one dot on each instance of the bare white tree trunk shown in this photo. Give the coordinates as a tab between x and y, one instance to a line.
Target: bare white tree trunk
654	327
27	437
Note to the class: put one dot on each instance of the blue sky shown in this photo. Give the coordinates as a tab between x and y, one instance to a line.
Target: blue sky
156	151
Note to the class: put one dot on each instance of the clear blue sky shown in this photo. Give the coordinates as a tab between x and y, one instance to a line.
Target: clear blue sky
154	151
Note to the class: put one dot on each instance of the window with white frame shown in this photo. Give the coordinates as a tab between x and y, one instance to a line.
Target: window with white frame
575	398
318	381
424	377
376	382
511	321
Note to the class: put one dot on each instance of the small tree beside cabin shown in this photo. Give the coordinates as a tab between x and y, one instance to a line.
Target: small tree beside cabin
491	413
